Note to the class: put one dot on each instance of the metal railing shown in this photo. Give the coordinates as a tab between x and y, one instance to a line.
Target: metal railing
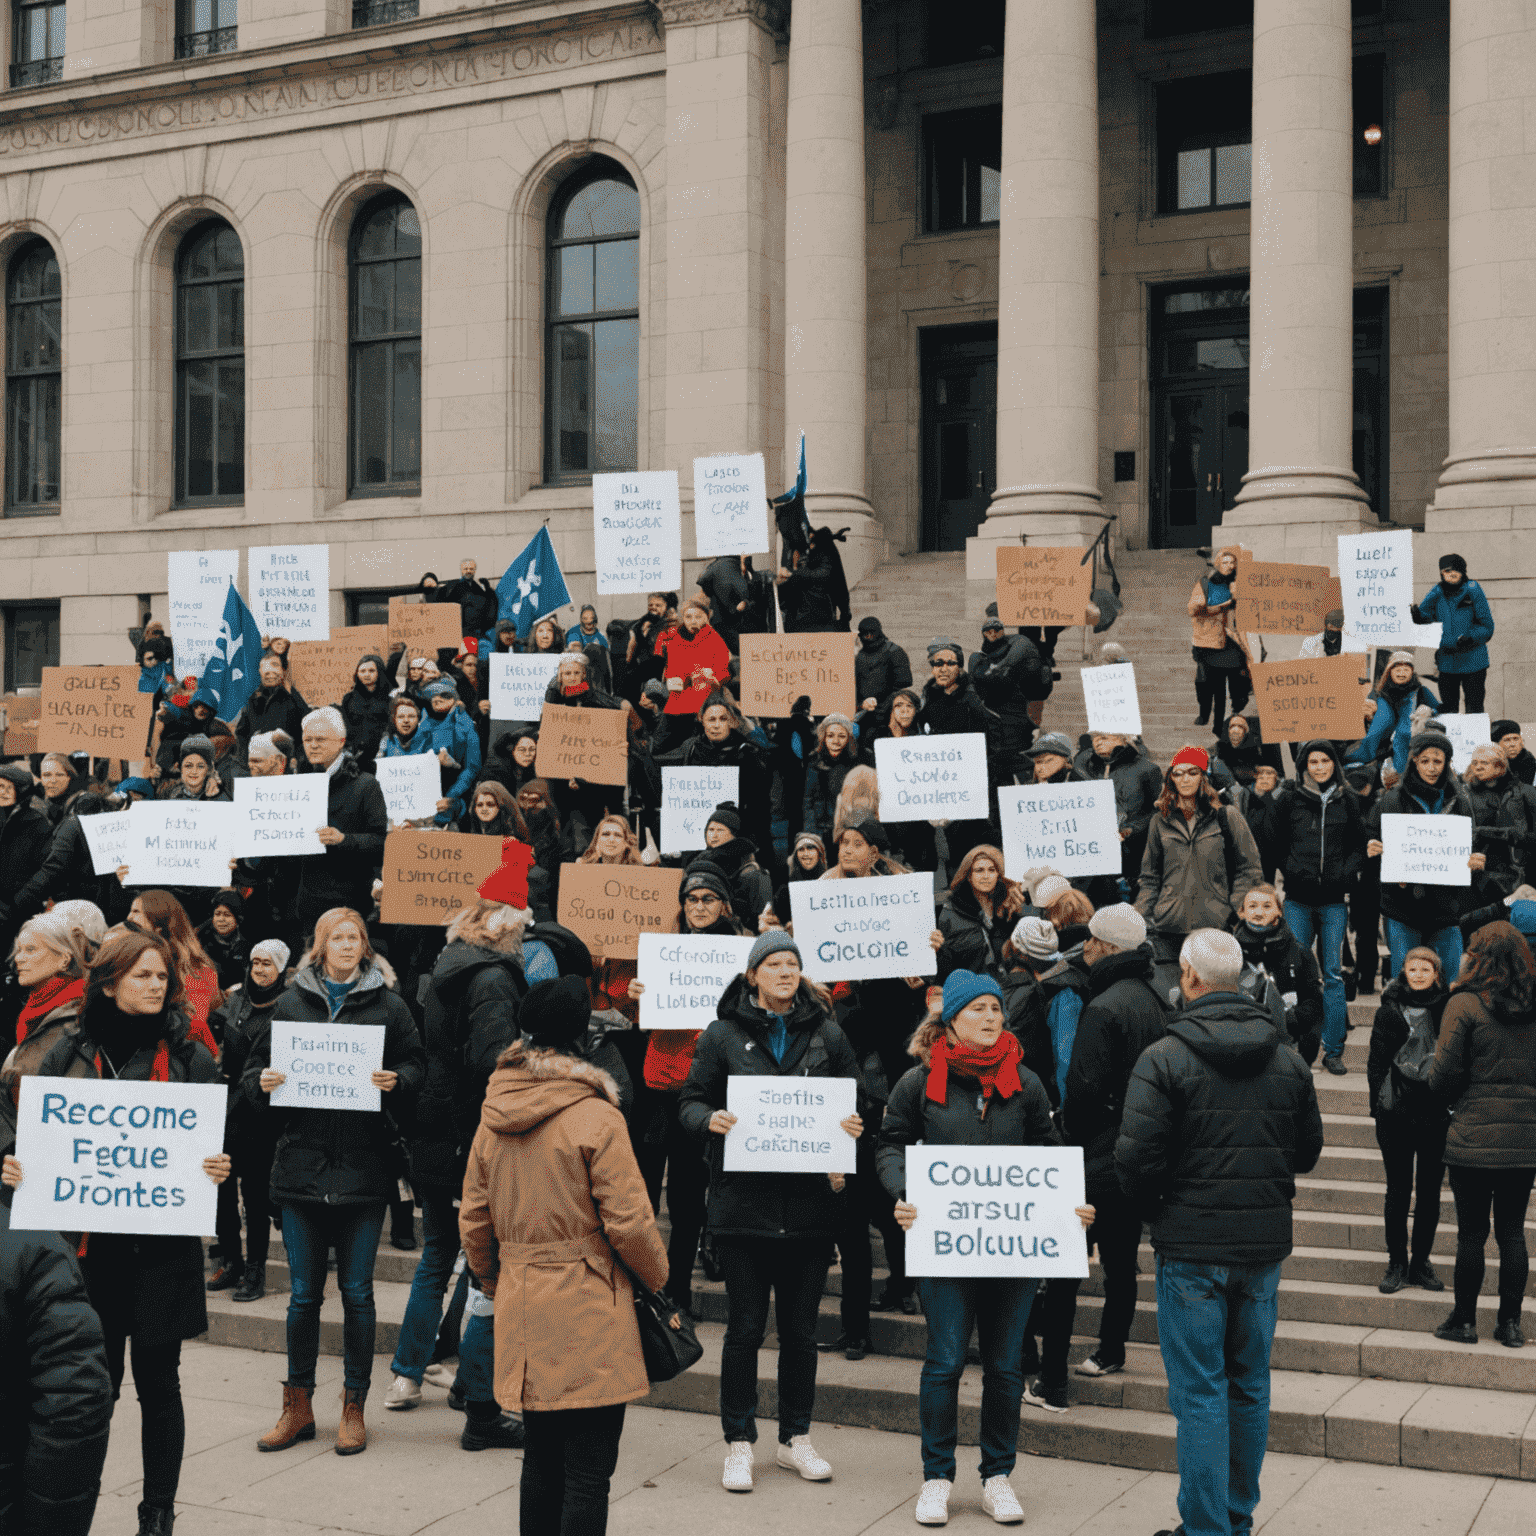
379	13
36	72
198	45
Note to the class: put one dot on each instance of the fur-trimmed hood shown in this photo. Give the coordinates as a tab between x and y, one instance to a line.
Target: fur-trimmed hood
531	1085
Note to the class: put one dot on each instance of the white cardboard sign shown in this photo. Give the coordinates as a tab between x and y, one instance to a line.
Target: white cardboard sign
412	786
637	531
518	682
1426	850
730	505
1000	1211
789	1125
197	585
1376	577
1109	692
327	1066
688	796
1072	827
181	842
117	1156
110	837
290	586
1466	732
281	815
685	975
930	778
855	930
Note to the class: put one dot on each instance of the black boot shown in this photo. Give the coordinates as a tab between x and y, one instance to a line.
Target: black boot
228	1275
156	1519
254	1286
490	1431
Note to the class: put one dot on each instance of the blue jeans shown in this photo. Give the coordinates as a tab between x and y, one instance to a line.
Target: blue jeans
424	1311
310	1230
1306	923
998	1311
1215	1324
1446	942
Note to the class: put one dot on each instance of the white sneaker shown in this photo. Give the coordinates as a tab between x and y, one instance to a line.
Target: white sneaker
933	1502
738	1466
800	1456
403	1393
440	1374
1000	1501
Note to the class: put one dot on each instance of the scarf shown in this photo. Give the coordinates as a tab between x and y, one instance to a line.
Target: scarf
44	998
1333	642
575	688
1218	589
994	1068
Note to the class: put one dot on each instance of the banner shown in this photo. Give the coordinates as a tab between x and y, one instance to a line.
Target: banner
196	583
996	1211
282	815
590	744
1318	700
1376	580
730	505
117	1157
930	778
290	587
685	975
688	795
430	877
637	531
517	683
610	906
321	670
777	669
1426	850
1109	692
1466	732
1075	828
855	930
327	1066
412	786
424	629
110	837
181	842
1278	599
95	709
789	1124
1042	584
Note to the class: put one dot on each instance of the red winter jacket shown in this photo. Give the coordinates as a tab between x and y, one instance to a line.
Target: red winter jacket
687	659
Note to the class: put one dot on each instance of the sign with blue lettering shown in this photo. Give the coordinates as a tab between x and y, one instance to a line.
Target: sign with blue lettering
1072	827
928	778
685	975
790	1125
116	1156
854	930
730	505
327	1066
637	531
996	1211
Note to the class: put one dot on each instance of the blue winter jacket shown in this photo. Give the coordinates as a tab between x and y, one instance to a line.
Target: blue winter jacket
1463	613
1391	727
455	731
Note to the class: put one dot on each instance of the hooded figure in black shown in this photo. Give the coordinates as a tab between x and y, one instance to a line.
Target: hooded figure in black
727	583
1010	677
25	838
814	596
365	708
880	666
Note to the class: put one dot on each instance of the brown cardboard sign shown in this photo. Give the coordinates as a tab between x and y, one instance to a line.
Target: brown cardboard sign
777	669
1043	584
321	670
94	709
589	744
1278	599
429	876
1321	699
425	628
21	717
610	905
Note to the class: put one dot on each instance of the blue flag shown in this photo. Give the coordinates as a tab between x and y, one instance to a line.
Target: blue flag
231	674
532	586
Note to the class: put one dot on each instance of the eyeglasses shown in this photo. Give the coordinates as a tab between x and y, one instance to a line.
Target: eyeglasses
700	899
939	664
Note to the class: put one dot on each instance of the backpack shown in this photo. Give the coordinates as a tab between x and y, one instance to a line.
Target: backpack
1406	1083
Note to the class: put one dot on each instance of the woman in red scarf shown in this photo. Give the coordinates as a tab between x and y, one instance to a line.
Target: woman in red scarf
970	1089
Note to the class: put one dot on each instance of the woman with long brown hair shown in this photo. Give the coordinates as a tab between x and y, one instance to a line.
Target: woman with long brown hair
160	913
977	919
493	813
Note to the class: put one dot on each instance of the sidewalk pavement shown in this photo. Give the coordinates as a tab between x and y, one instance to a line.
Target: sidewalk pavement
414	1478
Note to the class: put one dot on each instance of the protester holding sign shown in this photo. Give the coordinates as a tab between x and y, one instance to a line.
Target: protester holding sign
1137	785
696	661
1220	658
1460	608
977	919
365	710
773	1231
723	742
952	706
1394	709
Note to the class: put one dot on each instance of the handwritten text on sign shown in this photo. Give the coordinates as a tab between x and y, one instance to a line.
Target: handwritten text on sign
1042	584
1466	732
637	531
322	670
1072	827
280	816
1274	598
609	906
1318	700
431	876
181	842
198	581
789	1125
117	1157
688	796
412	786
1426	850
685	976
327	1066
290	589
94	709
927	778
587	744
109	837
1376	580
1110	695
854	930
996	1211
518	682
730	505
777	669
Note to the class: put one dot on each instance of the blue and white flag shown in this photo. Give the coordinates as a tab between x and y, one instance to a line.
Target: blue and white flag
231	675
532	586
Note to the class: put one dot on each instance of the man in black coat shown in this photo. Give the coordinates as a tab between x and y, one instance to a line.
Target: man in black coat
1011	678
476	599
356	822
26	835
1220	1117
727	583
880	666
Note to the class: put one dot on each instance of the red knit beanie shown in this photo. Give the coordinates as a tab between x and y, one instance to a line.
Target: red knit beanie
1195	757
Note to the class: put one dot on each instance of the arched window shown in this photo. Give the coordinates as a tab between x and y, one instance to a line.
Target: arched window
593	342
33	381
210	366
385	345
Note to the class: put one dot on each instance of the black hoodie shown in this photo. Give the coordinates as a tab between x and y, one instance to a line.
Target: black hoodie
1318	843
26	834
880	666
366	714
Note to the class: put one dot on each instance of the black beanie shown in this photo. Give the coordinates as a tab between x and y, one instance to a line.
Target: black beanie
556	1013
1453	563
704	876
871	627
872	832
1502	728
233	900
728	817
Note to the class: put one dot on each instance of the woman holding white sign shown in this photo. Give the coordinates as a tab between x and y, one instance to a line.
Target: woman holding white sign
970	1088
723	742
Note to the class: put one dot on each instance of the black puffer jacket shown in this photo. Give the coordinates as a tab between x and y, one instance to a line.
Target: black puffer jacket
1295	973
725	584
952	714
795	1205
343	875
1423	908
824	776
26	835
236	1024
65	873
1486	1067
1220	1117
879	669
1138	782
1009	675
1318	844
754	786
340	1156
57	1402
1389	1034
366	714
271	709
751	885
1504	830
972	941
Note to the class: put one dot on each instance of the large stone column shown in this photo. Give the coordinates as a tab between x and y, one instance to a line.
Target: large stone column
1300	491
826	389
1485	505
1048	285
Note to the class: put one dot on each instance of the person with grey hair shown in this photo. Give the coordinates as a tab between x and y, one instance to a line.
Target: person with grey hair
1220	1116
267	757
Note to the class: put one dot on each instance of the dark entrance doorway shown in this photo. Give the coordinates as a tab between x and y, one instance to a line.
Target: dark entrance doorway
959	383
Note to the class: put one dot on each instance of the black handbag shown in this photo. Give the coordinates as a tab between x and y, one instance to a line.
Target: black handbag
668	1350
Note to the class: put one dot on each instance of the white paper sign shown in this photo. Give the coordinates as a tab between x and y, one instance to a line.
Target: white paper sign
281	815
518	682
197	584
109	836
1376	575
117	1157
412	786
327	1066
637	531
1110	695
684	976
1426	850
789	1125
730	505
854	930
1466	732
181	842
1072	827
926	778
290	586
688	795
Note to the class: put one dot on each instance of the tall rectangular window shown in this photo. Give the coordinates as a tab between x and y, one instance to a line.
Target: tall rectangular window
210	366
385	372
33	381
31	643
37	43
206	26
962	168
1205	142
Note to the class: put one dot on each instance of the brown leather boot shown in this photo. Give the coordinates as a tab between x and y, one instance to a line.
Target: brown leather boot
297	1422
352	1437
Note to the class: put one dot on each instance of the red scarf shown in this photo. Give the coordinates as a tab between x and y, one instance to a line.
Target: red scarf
997	1067
575	688
160	1068
44	998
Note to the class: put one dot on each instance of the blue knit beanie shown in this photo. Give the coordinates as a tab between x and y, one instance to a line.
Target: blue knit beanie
1523	915
963	987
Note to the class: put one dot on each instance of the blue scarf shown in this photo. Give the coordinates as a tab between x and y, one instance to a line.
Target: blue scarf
336	991
1218	589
